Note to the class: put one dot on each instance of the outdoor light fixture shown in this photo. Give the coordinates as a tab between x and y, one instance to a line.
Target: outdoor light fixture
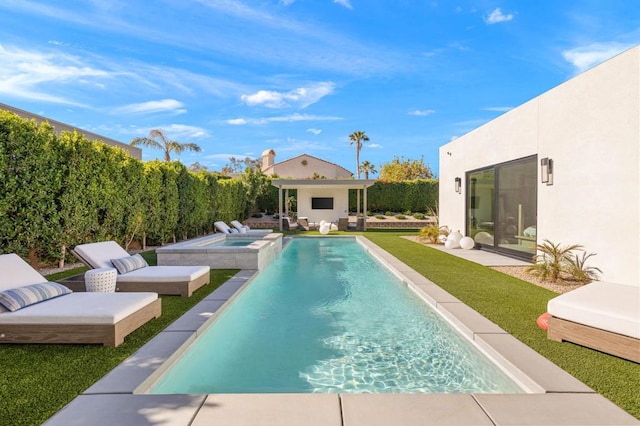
546	171
458	185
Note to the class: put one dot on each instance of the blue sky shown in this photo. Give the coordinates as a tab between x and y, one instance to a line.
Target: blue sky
298	76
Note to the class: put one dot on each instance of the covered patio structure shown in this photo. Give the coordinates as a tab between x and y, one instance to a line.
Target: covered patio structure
322	199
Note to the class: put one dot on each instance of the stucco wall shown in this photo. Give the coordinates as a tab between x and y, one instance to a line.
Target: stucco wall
590	127
304	166
340	203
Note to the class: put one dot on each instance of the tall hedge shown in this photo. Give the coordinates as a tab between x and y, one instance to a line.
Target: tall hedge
29	175
60	191
418	195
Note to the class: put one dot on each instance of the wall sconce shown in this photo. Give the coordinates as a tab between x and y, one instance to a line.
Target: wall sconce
546	171
458	185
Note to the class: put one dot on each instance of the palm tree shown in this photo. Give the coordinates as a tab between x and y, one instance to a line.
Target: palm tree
366	168
357	138
165	144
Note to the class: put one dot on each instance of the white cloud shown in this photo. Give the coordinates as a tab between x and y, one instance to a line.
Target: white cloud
184	131
496	16
374	145
164	105
422	112
498	109
585	57
237	121
314	131
287	2
178	132
280	119
345	3
32	75
301	97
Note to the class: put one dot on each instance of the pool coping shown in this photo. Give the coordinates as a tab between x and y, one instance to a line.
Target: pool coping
558	398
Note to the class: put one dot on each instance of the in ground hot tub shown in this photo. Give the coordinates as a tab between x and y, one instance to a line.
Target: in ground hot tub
224	251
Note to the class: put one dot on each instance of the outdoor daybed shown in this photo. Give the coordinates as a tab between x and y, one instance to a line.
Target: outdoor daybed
239	228
46	312
602	316
171	280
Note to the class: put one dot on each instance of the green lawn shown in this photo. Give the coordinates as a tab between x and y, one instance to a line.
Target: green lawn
514	305
38	380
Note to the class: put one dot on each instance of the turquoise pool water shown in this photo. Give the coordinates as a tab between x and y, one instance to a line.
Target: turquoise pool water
232	242
327	317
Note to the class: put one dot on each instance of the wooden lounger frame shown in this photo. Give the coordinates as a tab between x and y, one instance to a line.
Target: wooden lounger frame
604	341
179	288
105	334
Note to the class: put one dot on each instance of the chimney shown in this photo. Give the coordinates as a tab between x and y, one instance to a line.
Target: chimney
268	158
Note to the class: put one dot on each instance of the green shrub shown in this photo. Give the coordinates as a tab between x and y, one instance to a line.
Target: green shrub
418	216
401	217
380	216
388	213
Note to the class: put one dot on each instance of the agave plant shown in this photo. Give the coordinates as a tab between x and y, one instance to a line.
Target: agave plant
580	271
551	260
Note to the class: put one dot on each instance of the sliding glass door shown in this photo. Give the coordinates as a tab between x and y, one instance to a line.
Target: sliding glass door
502	205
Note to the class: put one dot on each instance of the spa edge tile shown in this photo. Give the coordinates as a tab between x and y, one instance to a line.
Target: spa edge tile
553	409
412	409
111	410
510	351
270	409
129	374
195	318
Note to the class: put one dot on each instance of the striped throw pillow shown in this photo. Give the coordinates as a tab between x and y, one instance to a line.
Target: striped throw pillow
129	263
20	297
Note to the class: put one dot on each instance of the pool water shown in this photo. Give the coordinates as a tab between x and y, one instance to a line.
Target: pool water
327	317
232	242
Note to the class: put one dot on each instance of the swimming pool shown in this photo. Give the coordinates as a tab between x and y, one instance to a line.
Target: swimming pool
326	316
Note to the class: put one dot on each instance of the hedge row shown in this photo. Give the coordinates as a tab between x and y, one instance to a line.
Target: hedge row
420	195
60	191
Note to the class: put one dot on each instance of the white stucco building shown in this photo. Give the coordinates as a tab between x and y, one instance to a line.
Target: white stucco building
302	167
563	167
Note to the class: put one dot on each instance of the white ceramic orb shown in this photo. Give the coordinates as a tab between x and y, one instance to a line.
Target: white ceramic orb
451	244
322	222
454	236
324	229
467	243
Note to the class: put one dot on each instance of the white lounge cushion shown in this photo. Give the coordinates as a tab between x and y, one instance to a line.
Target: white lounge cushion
99	255
610	307
164	274
239	226
81	308
17	273
222	227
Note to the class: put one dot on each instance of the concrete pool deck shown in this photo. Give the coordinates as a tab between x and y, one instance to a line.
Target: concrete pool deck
558	398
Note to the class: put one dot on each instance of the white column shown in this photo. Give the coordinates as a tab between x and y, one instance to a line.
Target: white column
280	207
365	208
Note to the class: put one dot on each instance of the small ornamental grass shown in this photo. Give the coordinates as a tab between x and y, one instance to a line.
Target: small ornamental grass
553	262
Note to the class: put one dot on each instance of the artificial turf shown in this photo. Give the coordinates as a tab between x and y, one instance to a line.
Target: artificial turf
38	380
514	305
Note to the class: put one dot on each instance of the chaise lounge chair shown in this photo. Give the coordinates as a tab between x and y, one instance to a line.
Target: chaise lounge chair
239	228
170	280
47	313
601	316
